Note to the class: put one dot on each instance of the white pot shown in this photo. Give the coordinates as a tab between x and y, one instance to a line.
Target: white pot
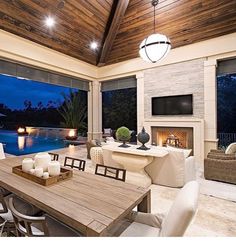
27	164
54	168
42	159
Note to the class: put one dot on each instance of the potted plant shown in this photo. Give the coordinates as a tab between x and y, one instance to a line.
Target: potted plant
123	134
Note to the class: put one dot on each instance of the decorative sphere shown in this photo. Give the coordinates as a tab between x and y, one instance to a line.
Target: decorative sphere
154	48
143	136
123	134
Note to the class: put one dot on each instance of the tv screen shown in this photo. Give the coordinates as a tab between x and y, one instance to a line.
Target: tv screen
172	105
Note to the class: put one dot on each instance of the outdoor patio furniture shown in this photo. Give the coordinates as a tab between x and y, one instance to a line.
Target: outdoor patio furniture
2	154
31	226
228	154
111	172
107	132
86	202
96	155
74	163
223	170
6	215
54	156
174	224
89	145
159	165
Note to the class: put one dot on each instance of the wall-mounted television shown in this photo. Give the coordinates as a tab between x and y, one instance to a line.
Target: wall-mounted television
172	105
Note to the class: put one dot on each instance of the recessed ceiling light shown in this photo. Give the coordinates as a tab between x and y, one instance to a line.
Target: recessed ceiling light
94	45
49	21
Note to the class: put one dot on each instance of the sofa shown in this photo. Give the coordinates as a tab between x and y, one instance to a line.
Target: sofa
173	170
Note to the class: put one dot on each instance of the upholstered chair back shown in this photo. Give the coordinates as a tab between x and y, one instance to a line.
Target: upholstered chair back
231	149
181	212
2	154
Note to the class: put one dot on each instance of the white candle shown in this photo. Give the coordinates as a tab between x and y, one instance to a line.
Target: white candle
45	175
54	168
42	159
32	171
27	164
38	172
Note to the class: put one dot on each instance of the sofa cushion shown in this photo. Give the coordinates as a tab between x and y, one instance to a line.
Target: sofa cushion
140	230
231	149
185	151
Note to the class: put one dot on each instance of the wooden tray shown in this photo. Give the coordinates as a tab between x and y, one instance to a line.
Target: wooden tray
65	174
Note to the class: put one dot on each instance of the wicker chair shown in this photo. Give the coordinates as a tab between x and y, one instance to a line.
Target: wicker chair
220	169
220	154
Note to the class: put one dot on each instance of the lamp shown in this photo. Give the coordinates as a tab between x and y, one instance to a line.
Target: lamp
156	46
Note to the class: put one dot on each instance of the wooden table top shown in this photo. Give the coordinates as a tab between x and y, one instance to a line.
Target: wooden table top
86	202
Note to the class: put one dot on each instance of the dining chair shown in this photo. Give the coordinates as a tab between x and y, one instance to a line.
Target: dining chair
6	215
74	163
2	153
111	172
54	156
174	224
31	226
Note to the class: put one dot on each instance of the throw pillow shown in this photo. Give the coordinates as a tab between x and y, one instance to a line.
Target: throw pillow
107	131
231	149
185	151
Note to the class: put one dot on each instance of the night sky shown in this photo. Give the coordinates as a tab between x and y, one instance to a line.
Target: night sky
13	92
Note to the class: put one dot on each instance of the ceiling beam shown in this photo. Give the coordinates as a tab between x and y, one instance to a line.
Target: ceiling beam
116	16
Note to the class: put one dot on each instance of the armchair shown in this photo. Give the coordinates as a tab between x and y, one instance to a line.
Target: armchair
174	224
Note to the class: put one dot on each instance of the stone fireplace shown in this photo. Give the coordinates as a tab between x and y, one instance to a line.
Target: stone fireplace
189	131
181	137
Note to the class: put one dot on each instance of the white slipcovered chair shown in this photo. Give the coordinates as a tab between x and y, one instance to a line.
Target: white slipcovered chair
172	170
2	154
174	224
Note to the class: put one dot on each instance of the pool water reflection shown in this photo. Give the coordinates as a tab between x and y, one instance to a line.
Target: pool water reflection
22	145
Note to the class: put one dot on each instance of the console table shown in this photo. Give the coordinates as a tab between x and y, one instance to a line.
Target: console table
134	161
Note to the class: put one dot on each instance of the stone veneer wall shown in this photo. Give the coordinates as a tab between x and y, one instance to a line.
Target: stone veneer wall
176	79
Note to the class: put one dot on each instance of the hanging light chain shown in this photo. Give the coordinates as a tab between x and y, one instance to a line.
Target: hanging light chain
154	4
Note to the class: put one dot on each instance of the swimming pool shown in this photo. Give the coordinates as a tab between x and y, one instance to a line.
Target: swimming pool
22	145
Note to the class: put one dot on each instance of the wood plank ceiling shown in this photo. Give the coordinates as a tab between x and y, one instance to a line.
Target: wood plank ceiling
117	25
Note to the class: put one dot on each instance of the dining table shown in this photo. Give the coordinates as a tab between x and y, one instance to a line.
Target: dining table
89	203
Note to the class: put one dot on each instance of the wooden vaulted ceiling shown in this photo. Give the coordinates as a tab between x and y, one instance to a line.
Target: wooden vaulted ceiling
117	25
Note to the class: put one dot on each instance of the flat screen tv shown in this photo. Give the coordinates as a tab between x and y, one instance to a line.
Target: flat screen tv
172	105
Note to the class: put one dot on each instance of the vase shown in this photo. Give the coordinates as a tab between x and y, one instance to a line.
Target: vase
143	137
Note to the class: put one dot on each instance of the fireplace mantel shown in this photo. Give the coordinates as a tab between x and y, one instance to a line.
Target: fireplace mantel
174	119
196	123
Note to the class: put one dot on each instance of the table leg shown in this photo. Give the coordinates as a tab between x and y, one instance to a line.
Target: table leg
145	205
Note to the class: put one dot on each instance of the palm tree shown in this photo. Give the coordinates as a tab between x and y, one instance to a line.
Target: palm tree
74	111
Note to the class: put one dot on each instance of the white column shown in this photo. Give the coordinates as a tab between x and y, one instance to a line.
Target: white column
95	111
90	113
210	105
140	101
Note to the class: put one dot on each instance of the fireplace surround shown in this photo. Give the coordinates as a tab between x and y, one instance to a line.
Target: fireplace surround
187	124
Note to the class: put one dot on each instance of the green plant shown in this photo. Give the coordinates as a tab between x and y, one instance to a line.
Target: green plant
123	134
74	111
